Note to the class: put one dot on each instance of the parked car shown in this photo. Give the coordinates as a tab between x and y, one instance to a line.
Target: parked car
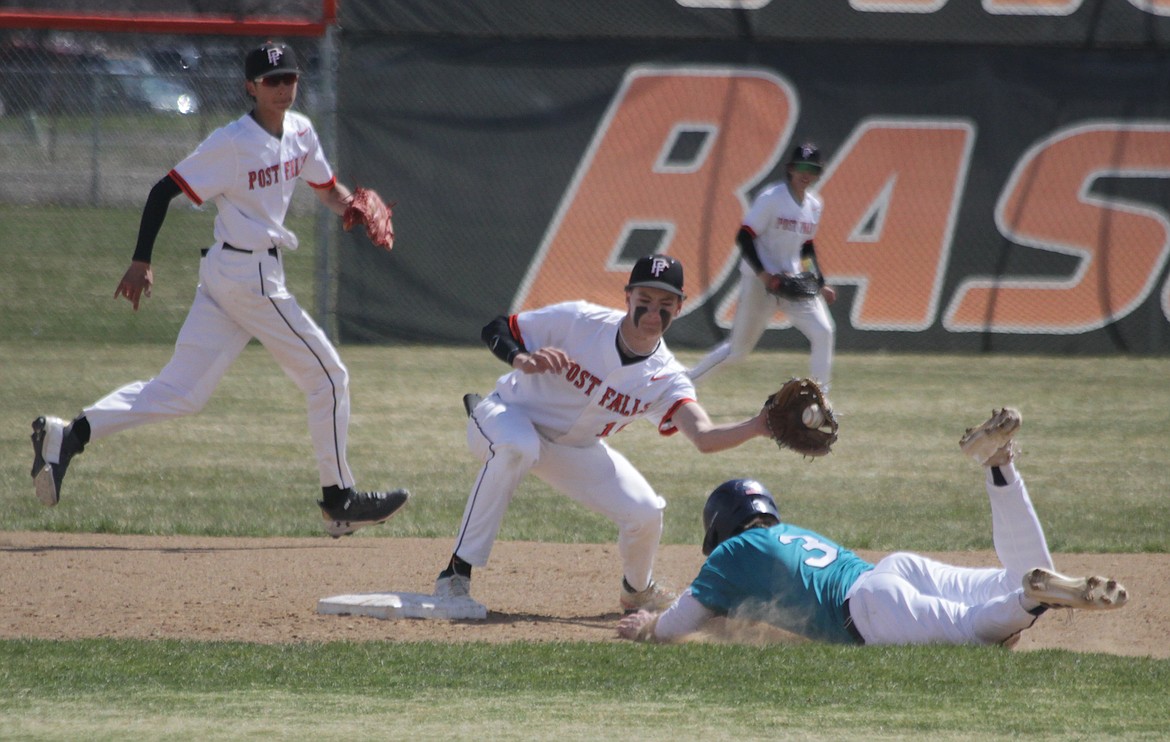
40	77
137	83
44	78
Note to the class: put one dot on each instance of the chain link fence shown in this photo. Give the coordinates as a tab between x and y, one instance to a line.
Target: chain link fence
483	124
95	120
88	123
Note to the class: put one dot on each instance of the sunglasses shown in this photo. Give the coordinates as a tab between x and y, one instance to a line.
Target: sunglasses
272	81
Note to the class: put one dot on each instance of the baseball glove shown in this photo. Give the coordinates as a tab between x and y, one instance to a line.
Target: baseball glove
799	417
803	285
367	207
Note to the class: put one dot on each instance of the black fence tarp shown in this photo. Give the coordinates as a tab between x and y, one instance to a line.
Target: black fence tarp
978	196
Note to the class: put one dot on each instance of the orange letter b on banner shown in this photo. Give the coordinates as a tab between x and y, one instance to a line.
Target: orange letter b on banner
667	171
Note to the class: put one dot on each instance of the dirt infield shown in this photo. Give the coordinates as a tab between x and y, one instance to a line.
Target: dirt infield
61	586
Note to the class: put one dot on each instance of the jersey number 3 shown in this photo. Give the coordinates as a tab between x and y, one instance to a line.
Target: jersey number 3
828	553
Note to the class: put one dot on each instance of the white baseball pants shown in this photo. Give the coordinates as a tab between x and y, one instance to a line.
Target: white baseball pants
910	599
753	313
241	296
596	476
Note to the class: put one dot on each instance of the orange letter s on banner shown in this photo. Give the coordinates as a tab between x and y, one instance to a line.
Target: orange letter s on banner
1048	204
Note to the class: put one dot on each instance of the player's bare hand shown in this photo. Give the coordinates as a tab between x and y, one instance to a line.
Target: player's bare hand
829	293
542	361
631	625
135	283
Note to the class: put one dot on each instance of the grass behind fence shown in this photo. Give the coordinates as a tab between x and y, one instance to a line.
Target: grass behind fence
244	465
59	267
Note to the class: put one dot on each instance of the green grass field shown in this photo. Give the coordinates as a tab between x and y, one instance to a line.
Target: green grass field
1094	435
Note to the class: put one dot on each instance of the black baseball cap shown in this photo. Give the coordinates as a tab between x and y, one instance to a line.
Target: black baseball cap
270	58
658	272
806	154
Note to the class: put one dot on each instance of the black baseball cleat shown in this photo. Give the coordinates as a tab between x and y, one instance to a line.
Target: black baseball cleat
53	447
361	509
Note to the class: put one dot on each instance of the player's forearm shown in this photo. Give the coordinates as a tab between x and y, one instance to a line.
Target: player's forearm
723	437
153	215
711	438
747	247
682	619
498	337
335	198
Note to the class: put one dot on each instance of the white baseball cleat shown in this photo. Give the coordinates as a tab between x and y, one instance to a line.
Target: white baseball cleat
1055	590
453	586
992	444
654	598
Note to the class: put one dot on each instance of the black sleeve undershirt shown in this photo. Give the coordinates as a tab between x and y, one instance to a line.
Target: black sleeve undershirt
747	246
153	215
498	336
808	261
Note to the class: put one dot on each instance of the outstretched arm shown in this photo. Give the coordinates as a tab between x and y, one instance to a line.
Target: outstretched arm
708	437
685	617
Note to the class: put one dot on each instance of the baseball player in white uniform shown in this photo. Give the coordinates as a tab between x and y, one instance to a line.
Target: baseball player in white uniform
249	169
761	568
776	238
581	373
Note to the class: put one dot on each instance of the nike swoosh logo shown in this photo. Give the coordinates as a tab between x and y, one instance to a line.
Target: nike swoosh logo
302	132
659	378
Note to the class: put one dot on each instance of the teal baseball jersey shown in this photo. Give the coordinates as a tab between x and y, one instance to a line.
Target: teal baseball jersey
787	576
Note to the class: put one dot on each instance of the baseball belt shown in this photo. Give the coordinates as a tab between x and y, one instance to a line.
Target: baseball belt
849	625
203	252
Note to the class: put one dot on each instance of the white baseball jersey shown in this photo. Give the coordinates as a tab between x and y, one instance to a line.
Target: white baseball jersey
596	396
250	175
781	226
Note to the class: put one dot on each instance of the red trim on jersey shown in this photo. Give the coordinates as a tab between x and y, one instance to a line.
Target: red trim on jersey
667	426
174	175
514	328
749	230
170	24
325	186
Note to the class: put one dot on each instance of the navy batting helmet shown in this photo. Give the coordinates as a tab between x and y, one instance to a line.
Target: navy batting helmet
733	505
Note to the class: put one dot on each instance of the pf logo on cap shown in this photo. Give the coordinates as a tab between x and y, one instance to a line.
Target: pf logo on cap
274	55
658	272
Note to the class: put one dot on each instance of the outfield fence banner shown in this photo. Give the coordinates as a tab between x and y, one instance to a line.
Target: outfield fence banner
1030	23
1000	191
996	179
